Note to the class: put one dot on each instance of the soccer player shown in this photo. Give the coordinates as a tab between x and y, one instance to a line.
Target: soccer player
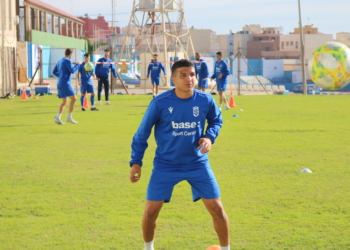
202	72
85	83
63	70
102	73
156	68
179	118
221	73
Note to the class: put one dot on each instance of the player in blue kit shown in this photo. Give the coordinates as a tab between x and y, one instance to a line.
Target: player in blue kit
221	75
85	83
179	118
155	67
102	73
63	70
202	72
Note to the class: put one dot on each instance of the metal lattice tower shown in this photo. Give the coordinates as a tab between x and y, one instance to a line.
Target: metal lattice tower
159	26
114	6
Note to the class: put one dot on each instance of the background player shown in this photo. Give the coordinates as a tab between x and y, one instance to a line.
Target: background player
102	73
202	72
220	74
63	70
156	68
179	117
85	83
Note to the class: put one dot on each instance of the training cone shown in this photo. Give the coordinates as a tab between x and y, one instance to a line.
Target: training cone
232	101
215	247
24	94
86	103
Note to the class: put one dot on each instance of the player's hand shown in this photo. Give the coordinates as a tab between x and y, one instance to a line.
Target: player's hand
164	76
220	76
147	78
79	83
135	173
204	79
79	62
204	145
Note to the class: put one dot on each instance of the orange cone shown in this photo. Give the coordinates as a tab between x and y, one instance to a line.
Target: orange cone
232	101
86	103
24	94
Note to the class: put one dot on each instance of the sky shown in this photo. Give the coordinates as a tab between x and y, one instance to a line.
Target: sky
223	16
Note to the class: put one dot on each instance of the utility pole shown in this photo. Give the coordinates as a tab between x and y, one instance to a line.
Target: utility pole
302	51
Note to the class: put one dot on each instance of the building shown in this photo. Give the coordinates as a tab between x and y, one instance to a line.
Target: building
251	29
241	40
272	30
262	43
201	39
8	47
307	29
343	37
97	29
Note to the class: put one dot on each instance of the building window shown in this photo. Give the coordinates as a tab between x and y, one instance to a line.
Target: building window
231	43
291	43
267	48
282	45
287	43
296	45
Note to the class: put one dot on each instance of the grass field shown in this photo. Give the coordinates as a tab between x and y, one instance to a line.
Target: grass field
67	187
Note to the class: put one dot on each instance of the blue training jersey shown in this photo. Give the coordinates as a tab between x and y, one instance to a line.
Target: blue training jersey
156	68
102	70
178	126
202	70
63	70
85	76
221	68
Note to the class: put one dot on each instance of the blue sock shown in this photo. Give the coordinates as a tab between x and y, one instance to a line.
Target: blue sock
82	100
92	100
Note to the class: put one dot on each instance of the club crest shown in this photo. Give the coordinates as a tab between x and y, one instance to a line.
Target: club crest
195	111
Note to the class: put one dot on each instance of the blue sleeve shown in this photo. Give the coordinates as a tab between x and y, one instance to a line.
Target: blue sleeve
55	71
139	142
80	68
206	70
225	71
149	69
214	75
112	66
163	68
214	119
69	66
97	68
195	69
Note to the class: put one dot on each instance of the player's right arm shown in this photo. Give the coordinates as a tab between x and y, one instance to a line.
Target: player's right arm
139	142
149	70
97	68
55	71
135	173
78	77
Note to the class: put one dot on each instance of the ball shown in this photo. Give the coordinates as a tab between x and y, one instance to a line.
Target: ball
215	247
88	66
329	66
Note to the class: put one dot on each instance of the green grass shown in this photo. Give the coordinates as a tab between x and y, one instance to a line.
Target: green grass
67	187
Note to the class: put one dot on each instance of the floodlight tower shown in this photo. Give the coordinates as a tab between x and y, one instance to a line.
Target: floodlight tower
160	27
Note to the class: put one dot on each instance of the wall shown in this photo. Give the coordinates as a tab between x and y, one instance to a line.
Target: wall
273	68
57	41
241	40
343	37
201	40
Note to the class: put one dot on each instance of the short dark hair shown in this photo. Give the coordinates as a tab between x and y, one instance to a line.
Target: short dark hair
106	50
179	64
155	54
68	51
86	55
219	53
197	53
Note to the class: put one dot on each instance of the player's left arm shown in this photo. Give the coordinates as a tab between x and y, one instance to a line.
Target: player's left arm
225	71
214	120
163	68
113	70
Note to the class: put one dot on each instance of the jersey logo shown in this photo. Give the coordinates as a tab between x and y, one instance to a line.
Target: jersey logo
195	111
171	110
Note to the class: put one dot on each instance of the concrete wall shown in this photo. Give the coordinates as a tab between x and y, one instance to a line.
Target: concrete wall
201	40
344	38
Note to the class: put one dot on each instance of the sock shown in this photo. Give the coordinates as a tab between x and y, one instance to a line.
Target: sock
58	117
149	245
225	248
69	116
82	101
92	100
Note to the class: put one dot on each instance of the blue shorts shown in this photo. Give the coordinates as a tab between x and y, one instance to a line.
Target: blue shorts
221	86
155	81
87	88
64	91
202	181
202	84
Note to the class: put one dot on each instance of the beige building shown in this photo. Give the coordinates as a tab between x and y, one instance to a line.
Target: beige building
201	39
308	29
8	47
272	30
251	29
343	37
242	41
